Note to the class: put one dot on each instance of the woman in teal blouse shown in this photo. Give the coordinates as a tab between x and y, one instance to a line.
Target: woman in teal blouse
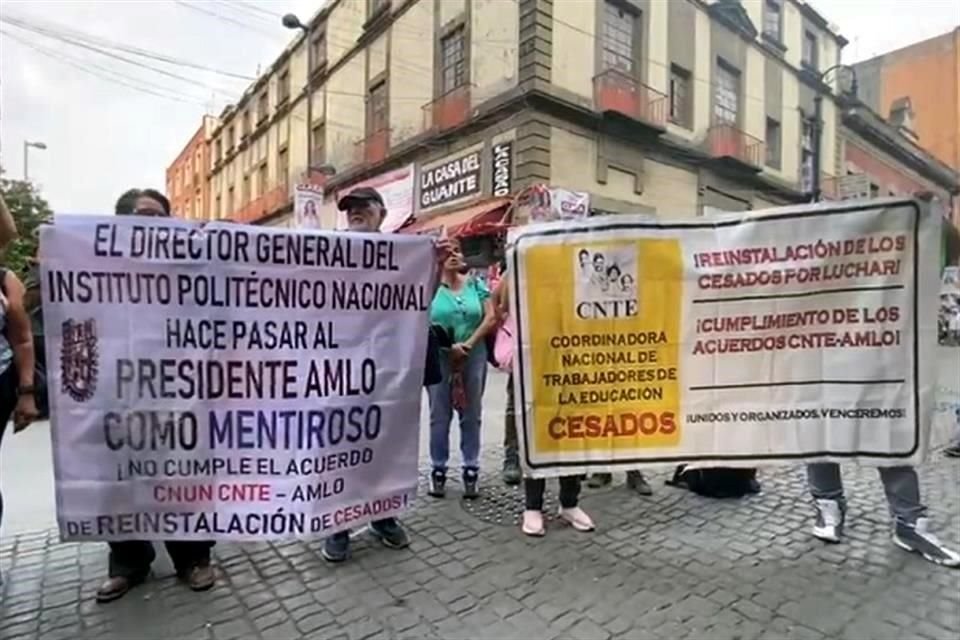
463	309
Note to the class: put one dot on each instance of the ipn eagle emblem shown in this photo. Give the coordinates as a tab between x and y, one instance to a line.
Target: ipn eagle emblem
79	359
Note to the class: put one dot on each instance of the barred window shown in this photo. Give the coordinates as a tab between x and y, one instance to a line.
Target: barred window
618	37
680	96
726	106
452	61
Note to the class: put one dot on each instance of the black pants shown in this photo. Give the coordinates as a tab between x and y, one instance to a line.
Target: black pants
8	402
569	492
510	443
131	559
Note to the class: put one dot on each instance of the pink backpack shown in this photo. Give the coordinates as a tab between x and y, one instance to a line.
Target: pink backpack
503	345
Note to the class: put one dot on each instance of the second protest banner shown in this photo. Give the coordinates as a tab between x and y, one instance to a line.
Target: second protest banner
231	382
802	333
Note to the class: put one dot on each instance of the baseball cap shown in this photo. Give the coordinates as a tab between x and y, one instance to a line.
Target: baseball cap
358	196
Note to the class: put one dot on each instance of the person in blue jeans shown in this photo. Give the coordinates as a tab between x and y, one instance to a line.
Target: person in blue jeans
463	309
911	527
365	212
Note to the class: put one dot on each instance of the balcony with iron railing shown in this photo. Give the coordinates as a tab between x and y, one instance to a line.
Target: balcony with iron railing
728	144
263	206
447	111
620	93
374	148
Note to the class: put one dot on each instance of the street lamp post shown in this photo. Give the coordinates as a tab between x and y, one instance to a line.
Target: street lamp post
818	126
290	21
26	156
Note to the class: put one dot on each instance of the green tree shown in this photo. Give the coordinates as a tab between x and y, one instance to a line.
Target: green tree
29	211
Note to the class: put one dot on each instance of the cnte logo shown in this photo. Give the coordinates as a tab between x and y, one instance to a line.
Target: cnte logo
607	309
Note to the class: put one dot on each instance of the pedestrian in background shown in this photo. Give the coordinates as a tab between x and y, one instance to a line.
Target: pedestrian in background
130	560
511	451
463	309
16	346
635	482
570	511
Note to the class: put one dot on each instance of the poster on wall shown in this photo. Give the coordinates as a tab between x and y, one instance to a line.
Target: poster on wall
541	203
307	206
786	335
396	188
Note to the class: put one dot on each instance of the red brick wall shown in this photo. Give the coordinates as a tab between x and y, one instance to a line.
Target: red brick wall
928	73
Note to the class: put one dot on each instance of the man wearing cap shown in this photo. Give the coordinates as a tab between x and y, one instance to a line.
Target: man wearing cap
365	212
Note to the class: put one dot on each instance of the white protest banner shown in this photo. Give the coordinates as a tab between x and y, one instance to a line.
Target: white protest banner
803	333
231	382
307	206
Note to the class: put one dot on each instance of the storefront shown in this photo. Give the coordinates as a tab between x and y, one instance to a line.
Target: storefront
480	227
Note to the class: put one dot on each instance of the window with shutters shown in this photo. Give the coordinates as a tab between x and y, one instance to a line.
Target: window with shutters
318	156
377	108
263	107
726	99
618	38
681	103
262	186
318	49
453	69
283	167
806	153
283	86
809	58
772	20
773	143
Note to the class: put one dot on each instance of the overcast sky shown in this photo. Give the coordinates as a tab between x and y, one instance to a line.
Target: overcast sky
103	137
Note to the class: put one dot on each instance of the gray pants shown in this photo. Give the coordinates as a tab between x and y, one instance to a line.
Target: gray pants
899	483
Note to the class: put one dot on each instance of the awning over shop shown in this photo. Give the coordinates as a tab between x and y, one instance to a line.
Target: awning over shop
489	216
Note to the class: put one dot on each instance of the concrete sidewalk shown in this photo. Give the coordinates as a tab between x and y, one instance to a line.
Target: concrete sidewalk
671	566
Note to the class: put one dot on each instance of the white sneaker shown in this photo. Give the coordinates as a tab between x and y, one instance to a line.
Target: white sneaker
829	523
577	518
919	540
533	523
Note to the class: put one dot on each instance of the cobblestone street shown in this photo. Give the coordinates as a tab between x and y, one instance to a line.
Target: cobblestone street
671	566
